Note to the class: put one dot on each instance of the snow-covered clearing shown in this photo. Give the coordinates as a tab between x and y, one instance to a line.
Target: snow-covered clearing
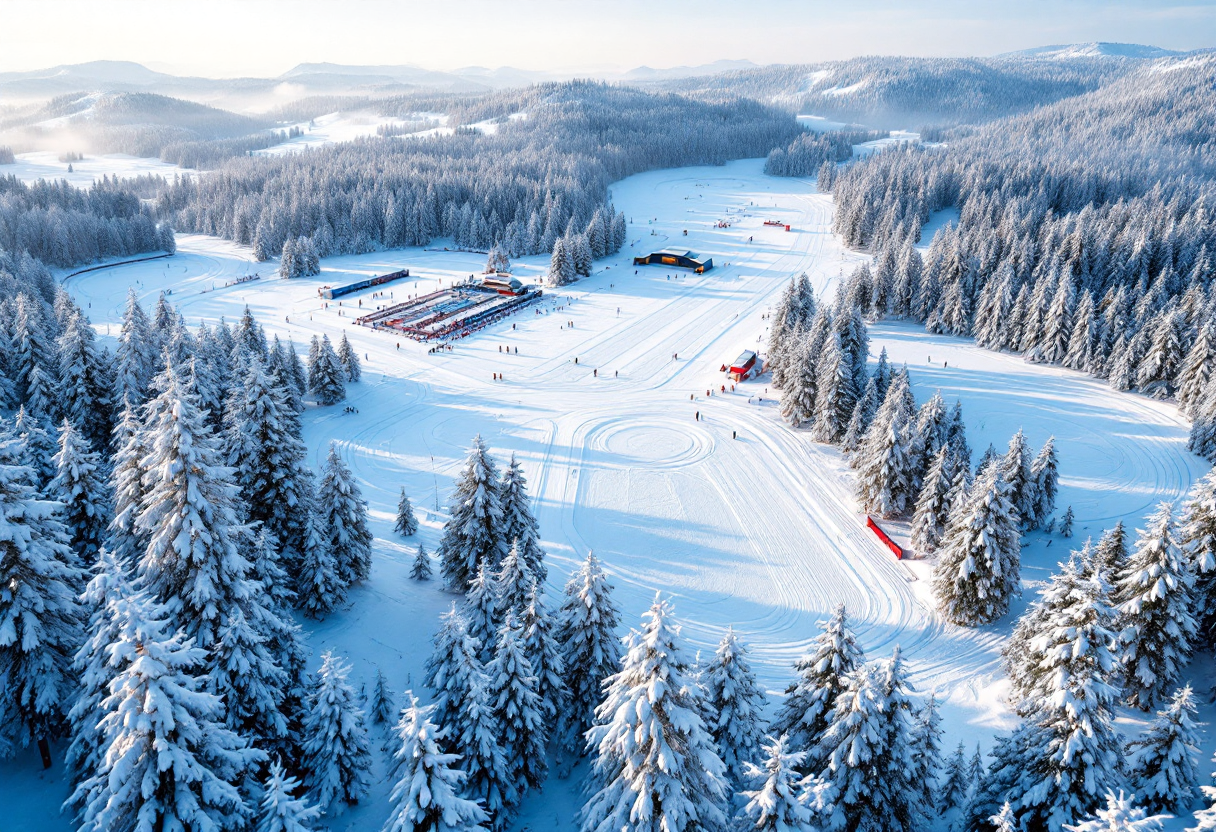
335	127
760	532
45	164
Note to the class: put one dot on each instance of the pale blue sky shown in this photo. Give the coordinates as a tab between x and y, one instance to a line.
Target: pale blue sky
267	37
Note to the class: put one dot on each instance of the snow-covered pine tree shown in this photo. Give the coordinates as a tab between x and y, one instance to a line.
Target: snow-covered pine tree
591	651
859	422
735	702
40	618
36	449
898	796
268	462
136	357
336	759
80	485
835	396
822	674
428	787
779	804
978	569
544	654
109	585
1004	820
126	486
956	782
281	810
349	359
85	382
1120	815
1197	536
1066	523
511	691
480	612
1196	369
381	707
655	761
512	584
453	669
933	505
319	587
421	570
561	265
1044	472
248	679
926	746
407	523
1154	594
1015	471
1161	762
884	461
1110	555
475	739
854	742
325	375
473	533
519	523
344	519
168	761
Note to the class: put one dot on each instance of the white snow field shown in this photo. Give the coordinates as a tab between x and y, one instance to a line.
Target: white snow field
45	164
760	531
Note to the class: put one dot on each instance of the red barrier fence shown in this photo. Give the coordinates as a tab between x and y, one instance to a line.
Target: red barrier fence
885	538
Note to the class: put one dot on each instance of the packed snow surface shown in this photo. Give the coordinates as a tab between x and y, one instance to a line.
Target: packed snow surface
45	164
740	519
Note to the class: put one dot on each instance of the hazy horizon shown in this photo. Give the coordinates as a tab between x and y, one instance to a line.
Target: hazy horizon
265	38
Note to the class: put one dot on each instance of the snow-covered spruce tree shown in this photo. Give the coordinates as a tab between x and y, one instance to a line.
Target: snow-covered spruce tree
899	798
1015	471
244	674
40	619
926	745
188	496
656	766
336	758
475	739
85	382
544	654
1120	815
933	505
36	449
1067	755
1044	472
168	761
586	631
268	461
785	319
80	485
735	702
512	585
1066	523
349	359
480	612
1004	820
561	265
407	523
326	375
1154	596
344	520
1161	762
109	585
1196	369
519	524
453	668
1197	535
473	533
281	810
511	691
835	395
319	587
136	357
428	787
126	486
955	783
822	674
421	570
779	804
978	568
381	707
863	415
884	460
1110	555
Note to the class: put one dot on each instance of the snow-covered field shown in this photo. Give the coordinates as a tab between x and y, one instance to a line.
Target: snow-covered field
760	532
45	164
335	127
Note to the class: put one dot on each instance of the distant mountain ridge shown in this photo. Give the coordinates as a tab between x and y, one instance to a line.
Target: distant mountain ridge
1096	49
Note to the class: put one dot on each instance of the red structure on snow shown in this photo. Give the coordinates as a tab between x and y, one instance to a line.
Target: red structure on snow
885	538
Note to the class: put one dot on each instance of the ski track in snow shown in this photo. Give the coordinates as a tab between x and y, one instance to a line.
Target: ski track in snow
761	532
